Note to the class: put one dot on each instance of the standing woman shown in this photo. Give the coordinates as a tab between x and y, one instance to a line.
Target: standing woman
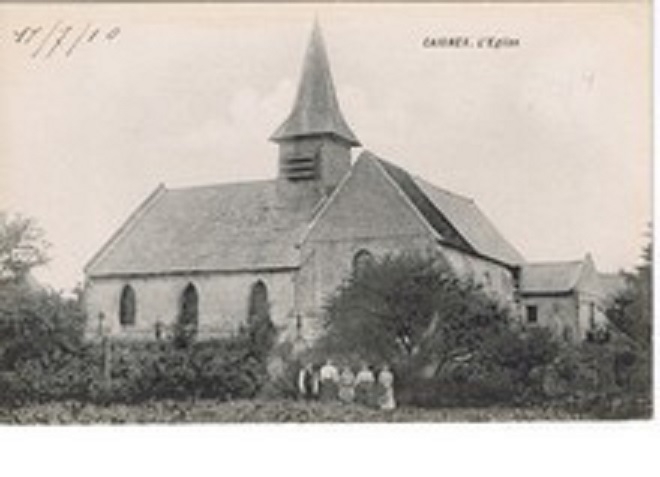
364	385
386	384
329	382
346	383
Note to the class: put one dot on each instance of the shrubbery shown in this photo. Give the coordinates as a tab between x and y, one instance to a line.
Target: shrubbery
43	357
505	368
40	343
220	369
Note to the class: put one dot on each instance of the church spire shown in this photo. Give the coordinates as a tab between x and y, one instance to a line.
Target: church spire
316	109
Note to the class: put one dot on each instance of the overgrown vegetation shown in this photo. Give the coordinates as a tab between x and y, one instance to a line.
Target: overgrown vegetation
451	344
44	358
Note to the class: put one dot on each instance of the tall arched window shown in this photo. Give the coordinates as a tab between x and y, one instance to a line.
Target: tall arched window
188	312
258	305
361	261
260	327
127	306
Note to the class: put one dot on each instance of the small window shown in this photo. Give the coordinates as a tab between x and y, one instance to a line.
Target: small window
532	314
127	306
361	261
258	302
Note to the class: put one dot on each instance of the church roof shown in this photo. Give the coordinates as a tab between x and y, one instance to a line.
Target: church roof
457	219
245	227
316	108
550	277
226	227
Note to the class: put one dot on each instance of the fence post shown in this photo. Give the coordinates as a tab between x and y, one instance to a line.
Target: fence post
106	350
107	359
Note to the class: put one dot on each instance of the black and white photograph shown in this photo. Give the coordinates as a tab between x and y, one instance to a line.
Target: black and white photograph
325	213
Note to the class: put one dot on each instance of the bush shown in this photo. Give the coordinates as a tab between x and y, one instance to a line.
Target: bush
466	384
37	325
220	369
506	370
40	344
603	380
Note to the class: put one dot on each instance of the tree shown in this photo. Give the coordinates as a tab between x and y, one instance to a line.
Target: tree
22	246
39	329
448	340
407	306
631	312
36	324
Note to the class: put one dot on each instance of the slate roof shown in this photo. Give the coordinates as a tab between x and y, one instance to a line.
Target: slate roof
225	227
244	227
550	277
316	109
457	219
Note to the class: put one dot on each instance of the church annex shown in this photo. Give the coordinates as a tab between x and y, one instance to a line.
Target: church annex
210	254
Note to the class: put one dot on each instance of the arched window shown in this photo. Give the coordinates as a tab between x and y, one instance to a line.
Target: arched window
362	260
188	313
127	306
258	305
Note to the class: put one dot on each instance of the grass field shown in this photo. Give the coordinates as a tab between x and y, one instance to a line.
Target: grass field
209	411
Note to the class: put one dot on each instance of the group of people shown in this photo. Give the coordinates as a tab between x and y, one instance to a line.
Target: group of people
329	383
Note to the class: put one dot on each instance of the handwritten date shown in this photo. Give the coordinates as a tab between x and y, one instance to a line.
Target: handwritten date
61	38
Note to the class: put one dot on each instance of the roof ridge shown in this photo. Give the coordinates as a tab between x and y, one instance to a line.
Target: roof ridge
442	189
417	177
554	262
221	184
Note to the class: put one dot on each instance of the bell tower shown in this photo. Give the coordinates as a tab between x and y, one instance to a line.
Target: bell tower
315	141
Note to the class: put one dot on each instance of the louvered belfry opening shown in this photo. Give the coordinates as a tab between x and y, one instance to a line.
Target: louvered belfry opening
300	168
300	162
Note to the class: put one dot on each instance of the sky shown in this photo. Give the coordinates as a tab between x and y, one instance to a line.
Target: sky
551	138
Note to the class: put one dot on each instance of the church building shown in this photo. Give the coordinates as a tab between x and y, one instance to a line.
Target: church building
210	255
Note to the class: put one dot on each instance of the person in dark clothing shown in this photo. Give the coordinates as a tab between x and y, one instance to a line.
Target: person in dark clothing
306	382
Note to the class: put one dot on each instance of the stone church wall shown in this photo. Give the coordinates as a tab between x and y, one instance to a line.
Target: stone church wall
223	302
328	263
368	214
496	279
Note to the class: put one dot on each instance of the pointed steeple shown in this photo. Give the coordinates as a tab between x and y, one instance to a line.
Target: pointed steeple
316	109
